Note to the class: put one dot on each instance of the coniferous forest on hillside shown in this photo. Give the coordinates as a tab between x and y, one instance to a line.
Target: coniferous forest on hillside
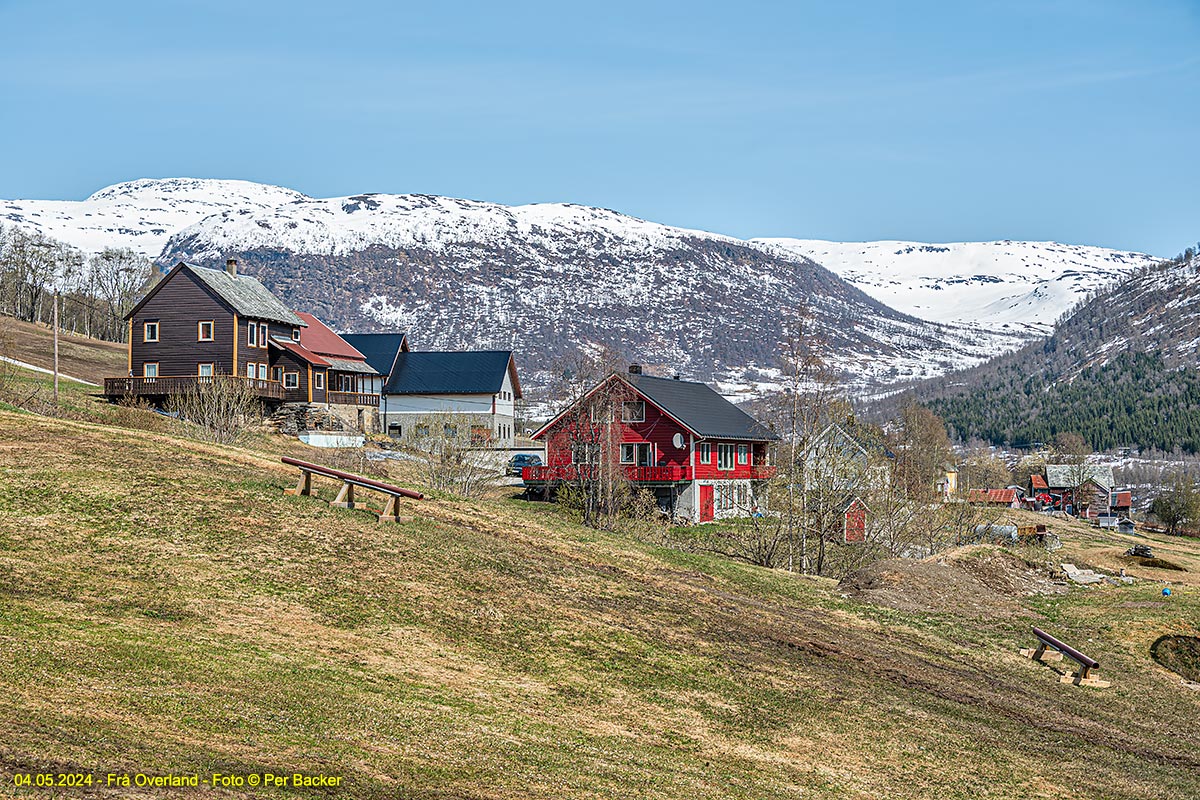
1134	400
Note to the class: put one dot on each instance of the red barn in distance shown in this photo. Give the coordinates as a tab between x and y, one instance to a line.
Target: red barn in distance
702	456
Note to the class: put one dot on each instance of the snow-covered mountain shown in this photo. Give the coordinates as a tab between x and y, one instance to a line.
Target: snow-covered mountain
141	214
554	277
1001	286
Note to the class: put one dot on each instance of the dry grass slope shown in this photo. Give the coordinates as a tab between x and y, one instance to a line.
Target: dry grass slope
165	607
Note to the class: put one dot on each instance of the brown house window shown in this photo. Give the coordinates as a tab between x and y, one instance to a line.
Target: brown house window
277	374
318	380
204	370
149	331
204	331
252	335
262	336
291	380
295	334
150	369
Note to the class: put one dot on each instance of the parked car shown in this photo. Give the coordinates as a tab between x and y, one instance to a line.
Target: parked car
522	460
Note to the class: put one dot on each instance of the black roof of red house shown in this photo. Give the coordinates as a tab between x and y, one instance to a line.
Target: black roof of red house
696	406
700	408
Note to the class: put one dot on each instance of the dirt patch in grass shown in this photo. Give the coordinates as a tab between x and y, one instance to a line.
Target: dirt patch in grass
1157	563
975	581
1180	654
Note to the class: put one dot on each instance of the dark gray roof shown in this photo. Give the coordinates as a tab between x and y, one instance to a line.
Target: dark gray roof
1060	476
245	295
347	365
380	349
700	408
449	372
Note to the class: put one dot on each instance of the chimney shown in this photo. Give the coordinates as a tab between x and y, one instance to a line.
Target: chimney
231	267
635	369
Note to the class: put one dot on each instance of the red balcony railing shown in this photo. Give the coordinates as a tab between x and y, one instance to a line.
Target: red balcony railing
670	473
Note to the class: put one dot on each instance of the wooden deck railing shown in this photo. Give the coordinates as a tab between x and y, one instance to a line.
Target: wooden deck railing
671	473
352	398
178	384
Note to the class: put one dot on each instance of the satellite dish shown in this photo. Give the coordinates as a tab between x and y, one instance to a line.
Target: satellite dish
677	440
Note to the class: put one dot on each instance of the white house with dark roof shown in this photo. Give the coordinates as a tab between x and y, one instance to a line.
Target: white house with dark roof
479	387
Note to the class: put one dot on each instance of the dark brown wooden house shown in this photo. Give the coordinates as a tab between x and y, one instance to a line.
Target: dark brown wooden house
197	323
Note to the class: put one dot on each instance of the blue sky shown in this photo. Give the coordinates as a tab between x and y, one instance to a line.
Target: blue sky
931	121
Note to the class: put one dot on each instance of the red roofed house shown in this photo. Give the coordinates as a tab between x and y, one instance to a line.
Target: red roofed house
315	365
995	497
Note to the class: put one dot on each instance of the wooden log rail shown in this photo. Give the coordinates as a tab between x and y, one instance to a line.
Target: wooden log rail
345	497
1088	666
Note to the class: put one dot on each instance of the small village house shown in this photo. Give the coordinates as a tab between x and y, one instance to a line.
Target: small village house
1006	498
701	456
479	388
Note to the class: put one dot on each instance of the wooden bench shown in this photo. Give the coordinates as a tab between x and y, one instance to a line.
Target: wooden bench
1052	649
350	481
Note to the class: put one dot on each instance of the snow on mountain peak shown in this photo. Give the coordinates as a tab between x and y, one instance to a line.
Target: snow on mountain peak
1005	285
195	190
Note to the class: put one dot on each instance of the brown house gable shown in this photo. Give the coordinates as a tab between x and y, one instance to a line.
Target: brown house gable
178	304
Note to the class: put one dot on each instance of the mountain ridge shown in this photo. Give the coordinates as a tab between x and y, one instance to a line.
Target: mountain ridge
471	273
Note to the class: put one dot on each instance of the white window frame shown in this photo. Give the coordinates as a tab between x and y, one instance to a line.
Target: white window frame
262	371
291	380
743	454
295	334
212	328
277	374
147	367
146	331
319	381
726	457
627	416
263	334
251	335
251	370
212	368
704	451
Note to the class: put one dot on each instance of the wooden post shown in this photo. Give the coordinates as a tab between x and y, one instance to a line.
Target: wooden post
391	511
56	346
304	487
345	498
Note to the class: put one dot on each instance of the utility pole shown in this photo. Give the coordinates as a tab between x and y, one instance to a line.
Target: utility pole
56	347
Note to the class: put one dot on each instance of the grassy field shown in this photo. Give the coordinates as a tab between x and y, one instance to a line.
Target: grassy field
80	357
166	608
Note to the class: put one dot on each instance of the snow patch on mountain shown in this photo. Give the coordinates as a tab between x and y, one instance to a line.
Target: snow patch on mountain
142	214
1018	287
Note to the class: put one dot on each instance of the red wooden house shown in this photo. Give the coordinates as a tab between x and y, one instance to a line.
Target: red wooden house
702	457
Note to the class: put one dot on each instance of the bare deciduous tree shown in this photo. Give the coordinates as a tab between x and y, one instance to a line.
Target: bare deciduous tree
222	407
445	456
